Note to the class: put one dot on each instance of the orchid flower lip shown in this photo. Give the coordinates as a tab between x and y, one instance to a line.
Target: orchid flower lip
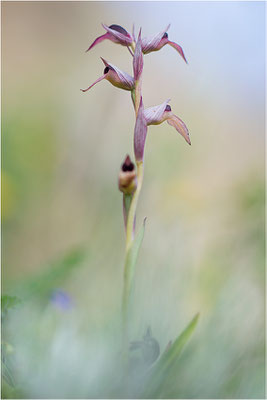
178	48
93	84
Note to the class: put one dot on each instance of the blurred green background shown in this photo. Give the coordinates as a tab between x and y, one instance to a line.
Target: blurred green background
203	249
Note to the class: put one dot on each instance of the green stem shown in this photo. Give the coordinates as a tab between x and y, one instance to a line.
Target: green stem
127	199
129	242
133	206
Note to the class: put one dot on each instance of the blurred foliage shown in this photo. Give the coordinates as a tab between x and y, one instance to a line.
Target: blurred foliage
8	302
53	276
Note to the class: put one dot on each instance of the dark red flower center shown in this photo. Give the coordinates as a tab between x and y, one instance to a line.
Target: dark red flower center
119	29
165	35
127	168
168	108
127	165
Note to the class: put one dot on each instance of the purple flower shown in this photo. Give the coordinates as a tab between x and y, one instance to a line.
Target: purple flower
116	34
115	76
158	114
156	42
140	132
61	299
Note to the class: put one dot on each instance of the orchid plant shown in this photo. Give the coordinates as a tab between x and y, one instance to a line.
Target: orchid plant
131	174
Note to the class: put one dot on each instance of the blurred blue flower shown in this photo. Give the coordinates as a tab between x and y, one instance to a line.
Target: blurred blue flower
61	300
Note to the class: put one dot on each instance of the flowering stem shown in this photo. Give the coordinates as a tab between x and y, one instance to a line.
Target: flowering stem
130	255
127	283
127	198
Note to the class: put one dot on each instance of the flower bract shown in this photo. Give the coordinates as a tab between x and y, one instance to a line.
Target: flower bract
140	132
138	62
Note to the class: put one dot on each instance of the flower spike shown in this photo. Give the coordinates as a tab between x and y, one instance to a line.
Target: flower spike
116	34
158	114
140	132
138	62
115	76
158	41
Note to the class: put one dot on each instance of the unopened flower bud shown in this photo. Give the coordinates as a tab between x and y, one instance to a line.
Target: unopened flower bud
127	177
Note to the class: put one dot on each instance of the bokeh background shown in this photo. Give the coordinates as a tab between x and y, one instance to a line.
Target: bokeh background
203	249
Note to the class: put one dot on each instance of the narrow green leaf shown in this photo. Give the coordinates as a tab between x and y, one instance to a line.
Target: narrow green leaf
127	199
159	371
133	254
